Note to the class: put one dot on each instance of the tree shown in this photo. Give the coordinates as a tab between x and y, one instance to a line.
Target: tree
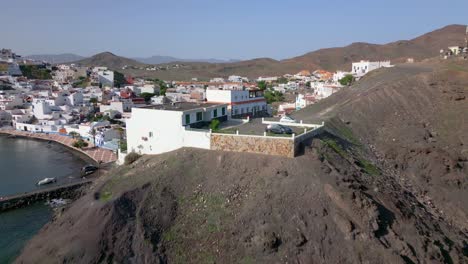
93	100
214	125
347	80
273	96
119	79
36	72
262	85
147	96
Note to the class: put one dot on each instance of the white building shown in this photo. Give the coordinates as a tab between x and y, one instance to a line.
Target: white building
120	105
10	102
105	78
324	91
235	78
363	67
217	80
337	76
240	102
267	79
303	100
163	128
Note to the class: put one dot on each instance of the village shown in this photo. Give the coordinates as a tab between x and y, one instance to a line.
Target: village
100	108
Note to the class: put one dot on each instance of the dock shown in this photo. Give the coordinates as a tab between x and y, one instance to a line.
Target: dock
68	191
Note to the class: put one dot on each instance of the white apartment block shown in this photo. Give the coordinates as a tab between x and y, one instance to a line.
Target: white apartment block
363	67
240	102
164	128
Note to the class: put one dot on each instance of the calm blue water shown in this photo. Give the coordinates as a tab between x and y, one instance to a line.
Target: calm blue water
18	226
23	162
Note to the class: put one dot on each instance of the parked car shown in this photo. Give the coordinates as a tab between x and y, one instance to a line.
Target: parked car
88	169
287	119
278	129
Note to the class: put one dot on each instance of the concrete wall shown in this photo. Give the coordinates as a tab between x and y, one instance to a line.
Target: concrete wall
154	132
254	144
197	139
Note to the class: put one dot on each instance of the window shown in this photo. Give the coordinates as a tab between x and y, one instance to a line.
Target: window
223	111
199	116
215	113
187	119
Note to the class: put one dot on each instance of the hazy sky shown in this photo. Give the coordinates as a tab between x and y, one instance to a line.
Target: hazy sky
239	29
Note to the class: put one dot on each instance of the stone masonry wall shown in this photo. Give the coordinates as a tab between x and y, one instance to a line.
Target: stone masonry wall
263	145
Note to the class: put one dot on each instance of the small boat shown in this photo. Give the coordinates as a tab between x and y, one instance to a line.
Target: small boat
46	181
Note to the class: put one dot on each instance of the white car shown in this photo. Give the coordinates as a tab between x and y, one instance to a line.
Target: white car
287	119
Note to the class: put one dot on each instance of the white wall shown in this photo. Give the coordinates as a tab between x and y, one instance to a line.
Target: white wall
197	139
165	126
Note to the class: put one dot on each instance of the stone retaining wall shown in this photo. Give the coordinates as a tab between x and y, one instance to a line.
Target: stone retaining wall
254	144
67	192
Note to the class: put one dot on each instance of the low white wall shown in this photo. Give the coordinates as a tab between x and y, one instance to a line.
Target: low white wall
197	139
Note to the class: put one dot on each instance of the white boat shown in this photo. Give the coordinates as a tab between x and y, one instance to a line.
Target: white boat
46	181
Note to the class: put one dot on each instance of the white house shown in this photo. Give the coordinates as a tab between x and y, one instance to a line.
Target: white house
240	102
267	79
363	67
235	78
324	91
106	78
163	128
10	102
339	75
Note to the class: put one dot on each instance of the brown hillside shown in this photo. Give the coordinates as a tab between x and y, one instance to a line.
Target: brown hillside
423	47
109	60
385	183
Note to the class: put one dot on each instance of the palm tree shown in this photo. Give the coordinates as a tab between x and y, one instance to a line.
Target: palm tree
74	134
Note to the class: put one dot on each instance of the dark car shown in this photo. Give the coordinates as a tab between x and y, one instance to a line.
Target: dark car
278	129
88	169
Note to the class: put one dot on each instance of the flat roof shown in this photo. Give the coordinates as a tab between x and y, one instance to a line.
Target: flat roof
182	106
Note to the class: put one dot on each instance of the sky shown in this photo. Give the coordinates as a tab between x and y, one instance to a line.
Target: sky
196	29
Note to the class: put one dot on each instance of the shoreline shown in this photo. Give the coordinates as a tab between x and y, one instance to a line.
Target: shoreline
87	154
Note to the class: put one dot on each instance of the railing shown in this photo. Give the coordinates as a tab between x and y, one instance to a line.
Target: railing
298	124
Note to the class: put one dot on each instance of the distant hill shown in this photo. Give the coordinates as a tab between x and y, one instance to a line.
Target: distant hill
55	58
425	46
109	60
331	59
168	59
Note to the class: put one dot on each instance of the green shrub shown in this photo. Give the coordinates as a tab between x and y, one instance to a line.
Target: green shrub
80	143
131	157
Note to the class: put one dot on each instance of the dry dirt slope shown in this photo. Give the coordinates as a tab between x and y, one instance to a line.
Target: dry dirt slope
415	119
337	203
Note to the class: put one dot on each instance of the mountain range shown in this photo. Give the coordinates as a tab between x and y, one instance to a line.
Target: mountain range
157	59
55	58
331	59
